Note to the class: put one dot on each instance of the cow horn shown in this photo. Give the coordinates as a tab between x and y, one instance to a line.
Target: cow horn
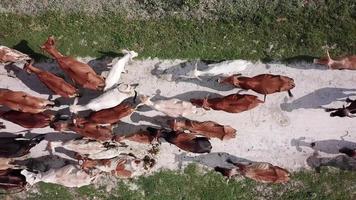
290	93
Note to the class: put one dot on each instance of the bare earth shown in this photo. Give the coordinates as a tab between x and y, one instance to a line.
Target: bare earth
278	131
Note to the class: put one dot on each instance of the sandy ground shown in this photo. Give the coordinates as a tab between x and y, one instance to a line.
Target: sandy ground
278	131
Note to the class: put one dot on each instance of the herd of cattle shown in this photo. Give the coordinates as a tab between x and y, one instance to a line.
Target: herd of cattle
98	150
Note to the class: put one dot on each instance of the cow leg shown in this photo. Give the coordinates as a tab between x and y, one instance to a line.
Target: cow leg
264	98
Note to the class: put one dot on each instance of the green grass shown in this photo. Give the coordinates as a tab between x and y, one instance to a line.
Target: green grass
248	34
192	184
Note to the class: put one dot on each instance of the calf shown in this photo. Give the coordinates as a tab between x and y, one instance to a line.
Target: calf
79	72
262	84
208	129
86	128
185	141
13	147
258	171
68	176
348	111
347	62
233	103
171	107
111	115
28	120
109	99
8	55
56	84
23	102
12	179
117	68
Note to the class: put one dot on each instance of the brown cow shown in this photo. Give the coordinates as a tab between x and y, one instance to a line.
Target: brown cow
79	72
54	83
11	179
184	141
28	120
143	137
21	101
8	55
258	171
347	62
262	84
208	129
86	128
233	103
111	115
348	111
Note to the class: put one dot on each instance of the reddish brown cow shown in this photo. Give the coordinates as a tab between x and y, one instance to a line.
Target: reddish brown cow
85	128
208	128
21	101
184	141
111	115
233	103
79	72
144	137
28	120
263	83
54	83
346	62
259	171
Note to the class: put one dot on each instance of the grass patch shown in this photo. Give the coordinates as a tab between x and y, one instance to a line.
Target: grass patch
270	30
192	184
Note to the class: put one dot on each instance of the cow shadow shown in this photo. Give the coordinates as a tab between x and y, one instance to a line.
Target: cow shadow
158	120
178	73
341	162
23	47
211	160
326	146
318	98
44	163
303	62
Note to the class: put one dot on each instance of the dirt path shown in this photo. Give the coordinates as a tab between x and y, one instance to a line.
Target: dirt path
278	131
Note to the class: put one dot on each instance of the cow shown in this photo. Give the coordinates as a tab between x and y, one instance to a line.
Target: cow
108	99
85	128
222	68
81	73
233	103
170	107
208	129
18	146
184	141
8	55
348	111
12	179
118	66
56	84
124	166
23	102
262	84
346	62
28	120
68	176
258	171
143	137
111	115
